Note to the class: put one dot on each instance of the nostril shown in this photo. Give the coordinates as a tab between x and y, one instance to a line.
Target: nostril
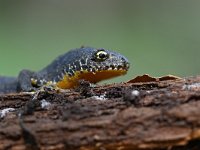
124	60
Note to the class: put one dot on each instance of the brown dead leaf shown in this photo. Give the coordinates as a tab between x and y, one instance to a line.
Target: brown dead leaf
148	78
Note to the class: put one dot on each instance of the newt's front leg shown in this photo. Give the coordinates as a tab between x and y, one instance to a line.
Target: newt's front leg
27	81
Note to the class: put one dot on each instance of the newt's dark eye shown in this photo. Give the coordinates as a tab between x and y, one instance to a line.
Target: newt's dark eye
101	55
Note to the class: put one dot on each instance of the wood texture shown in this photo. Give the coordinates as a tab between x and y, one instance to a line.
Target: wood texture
149	115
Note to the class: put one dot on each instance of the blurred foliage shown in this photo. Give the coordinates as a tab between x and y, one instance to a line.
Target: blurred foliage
158	37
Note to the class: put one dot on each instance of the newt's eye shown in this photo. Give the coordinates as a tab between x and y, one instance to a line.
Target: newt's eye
101	55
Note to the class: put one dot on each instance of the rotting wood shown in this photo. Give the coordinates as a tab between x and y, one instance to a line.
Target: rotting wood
150	115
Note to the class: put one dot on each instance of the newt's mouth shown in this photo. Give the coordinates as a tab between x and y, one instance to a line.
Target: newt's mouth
92	75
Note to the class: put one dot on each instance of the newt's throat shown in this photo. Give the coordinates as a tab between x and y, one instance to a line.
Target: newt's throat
71	82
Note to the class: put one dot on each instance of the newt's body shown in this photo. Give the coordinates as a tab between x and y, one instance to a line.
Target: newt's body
85	63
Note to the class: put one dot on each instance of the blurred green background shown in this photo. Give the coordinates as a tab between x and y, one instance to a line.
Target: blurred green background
158	37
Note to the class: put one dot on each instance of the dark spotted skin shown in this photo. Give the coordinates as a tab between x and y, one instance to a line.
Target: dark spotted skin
80	59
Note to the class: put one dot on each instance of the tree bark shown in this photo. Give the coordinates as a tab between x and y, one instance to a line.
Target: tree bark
142	115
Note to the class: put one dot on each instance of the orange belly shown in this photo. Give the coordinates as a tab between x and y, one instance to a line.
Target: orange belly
71	82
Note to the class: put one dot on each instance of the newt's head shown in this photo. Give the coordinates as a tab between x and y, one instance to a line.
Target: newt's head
90	64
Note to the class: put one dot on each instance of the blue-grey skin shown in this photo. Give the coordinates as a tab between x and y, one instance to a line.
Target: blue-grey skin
84	58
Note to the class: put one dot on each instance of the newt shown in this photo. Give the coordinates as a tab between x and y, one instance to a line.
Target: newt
85	63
